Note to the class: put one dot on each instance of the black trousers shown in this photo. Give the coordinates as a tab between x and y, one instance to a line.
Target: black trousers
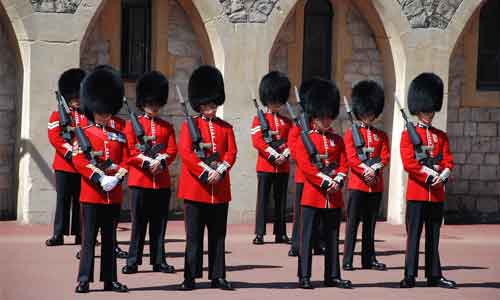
279	183
362	207
299	187
196	216
418	213
67	216
330	219
148	206
95	217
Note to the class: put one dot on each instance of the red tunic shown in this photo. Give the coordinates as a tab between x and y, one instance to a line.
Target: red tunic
117	123
163	133
220	135
378	142
437	141
113	145
280	126
332	147
62	147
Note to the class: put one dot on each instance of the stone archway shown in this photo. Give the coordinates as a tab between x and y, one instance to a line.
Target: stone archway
361	51
10	95
179	44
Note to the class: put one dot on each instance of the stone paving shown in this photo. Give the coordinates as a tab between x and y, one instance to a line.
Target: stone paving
469	255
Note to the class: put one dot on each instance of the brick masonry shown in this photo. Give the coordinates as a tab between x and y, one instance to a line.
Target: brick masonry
474	191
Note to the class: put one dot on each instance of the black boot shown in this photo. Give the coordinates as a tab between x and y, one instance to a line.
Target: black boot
221	283
305	283
258	240
56	240
164	268
348	267
282	239
130	269
441	282
115	286
407	283
82	287
293	252
77	254
187	285
375	265
338	282
120	253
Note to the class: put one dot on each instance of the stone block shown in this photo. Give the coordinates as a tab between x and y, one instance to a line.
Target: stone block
480	114
487	129
487	205
452	114
455	129
458	187
475	158
459	158
464	114
470	171
492	158
470	129
487	173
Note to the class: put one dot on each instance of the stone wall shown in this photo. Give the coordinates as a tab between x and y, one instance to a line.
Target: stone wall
97	48
474	190
9	88
429	13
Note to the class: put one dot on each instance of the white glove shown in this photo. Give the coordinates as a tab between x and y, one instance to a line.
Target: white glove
108	182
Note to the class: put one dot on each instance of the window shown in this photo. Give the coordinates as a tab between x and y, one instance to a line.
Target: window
317	55
136	38
488	58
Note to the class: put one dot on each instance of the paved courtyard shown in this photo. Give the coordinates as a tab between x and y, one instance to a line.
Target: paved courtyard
470	256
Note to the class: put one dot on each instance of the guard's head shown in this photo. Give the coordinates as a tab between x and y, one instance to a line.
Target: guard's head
206	86
274	89
425	94
323	100
367	99
304	87
69	85
102	93
152	92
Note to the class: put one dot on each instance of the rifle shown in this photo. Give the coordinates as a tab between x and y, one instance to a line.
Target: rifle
194	132
64	117
421	151
314	156
362	151
144	146
304	119
267	133
91	155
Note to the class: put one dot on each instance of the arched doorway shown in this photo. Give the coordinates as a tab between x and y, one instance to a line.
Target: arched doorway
357	45
10	95
173	35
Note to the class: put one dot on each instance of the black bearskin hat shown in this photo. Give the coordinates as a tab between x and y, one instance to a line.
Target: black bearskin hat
206	85
69	83
304	87
367	98
274	88
151	88
323	100
102	92
425	94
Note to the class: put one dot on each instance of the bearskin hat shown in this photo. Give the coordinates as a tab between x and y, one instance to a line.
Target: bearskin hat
206	85
367	98
304	87
425	93
152	88
323	100
69	83
274	88
102	92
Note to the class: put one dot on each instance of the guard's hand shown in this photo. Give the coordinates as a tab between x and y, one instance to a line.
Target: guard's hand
334	187
213	177
436	181
280	160
369	175
155	167
108	183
